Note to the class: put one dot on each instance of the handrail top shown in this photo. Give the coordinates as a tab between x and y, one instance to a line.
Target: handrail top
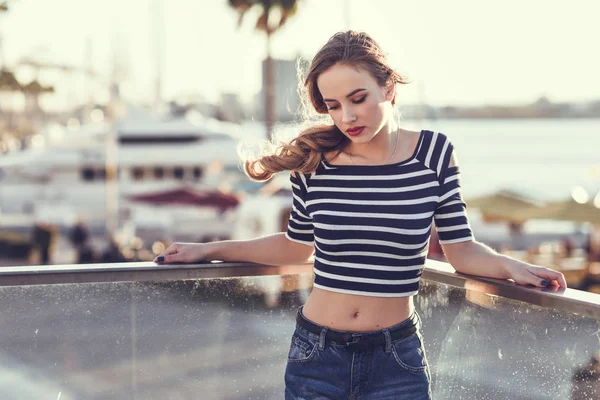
571	300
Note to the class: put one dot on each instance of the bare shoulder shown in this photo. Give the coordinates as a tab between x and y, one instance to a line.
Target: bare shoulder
409	141
411	137
453	160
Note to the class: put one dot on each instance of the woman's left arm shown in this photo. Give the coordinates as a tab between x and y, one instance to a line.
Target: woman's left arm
469	256
475	258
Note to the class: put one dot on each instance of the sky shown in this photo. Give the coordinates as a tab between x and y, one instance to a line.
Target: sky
461	52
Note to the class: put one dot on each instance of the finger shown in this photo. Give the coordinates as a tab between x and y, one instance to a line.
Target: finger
556	277
530	276
551	288
170	258
548	276
162	257
562	282
532	279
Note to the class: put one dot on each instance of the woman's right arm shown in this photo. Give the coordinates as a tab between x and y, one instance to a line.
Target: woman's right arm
292	247
274	249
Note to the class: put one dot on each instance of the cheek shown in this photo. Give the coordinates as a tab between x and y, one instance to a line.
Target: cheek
336	117
373	111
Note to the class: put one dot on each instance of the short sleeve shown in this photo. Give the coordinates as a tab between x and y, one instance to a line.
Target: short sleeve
450	215
300	225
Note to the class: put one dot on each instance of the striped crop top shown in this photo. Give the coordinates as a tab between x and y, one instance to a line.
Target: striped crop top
371	225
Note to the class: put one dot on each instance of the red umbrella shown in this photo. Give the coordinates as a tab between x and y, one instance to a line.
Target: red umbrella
189	197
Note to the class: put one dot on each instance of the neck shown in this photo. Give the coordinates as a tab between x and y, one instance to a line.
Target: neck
380	147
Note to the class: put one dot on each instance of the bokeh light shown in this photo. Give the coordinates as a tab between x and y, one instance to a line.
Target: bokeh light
580	195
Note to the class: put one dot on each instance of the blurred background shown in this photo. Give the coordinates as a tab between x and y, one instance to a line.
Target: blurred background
120	122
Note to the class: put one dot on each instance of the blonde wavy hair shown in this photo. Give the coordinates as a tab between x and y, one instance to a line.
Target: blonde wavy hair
304	152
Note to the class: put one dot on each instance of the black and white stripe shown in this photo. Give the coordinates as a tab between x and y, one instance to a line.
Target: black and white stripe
371	225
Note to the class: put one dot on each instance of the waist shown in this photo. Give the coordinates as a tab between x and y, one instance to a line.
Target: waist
360	340
355	312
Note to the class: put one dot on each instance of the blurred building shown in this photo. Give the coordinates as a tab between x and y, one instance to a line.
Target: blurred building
287	101
231	108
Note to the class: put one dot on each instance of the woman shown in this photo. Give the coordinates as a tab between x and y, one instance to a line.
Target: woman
366	193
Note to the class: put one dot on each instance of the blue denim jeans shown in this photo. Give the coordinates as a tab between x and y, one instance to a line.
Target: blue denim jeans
319	369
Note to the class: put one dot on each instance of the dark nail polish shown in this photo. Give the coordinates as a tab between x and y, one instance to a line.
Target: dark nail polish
544	283
160	258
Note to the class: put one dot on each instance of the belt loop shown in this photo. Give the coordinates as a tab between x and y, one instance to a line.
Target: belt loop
388	340
322	338
417	320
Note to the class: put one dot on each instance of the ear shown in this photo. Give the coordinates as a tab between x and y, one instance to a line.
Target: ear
390	92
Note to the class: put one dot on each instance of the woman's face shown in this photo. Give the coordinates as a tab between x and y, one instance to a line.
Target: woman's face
357	104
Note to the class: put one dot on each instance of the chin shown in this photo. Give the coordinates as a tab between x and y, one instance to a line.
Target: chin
359	139
362	138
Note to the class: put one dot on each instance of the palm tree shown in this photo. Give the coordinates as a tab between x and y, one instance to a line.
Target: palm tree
265	23
3	9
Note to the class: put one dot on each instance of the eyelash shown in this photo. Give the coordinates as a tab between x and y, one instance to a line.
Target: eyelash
354	101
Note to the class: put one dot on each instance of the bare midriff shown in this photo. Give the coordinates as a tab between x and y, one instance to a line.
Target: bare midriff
348	312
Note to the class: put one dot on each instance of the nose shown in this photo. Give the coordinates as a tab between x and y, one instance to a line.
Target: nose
348	116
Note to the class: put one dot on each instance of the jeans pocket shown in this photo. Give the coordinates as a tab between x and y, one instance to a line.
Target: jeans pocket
302	348
410	353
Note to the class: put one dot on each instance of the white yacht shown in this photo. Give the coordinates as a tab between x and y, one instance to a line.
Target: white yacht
65	178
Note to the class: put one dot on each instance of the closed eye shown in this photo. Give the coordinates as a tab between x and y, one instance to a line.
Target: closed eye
357	101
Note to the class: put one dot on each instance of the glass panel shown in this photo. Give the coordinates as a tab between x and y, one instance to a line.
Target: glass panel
228	339
482	346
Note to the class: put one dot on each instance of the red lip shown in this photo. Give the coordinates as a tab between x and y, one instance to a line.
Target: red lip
355	131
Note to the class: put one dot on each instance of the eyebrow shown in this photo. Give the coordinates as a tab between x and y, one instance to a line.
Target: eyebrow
348	95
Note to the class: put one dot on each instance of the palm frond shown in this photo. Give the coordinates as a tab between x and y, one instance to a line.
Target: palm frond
262	23
242	7
287	8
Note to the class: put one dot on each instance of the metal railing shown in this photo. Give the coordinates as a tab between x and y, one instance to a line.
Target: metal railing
222	330
576	301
